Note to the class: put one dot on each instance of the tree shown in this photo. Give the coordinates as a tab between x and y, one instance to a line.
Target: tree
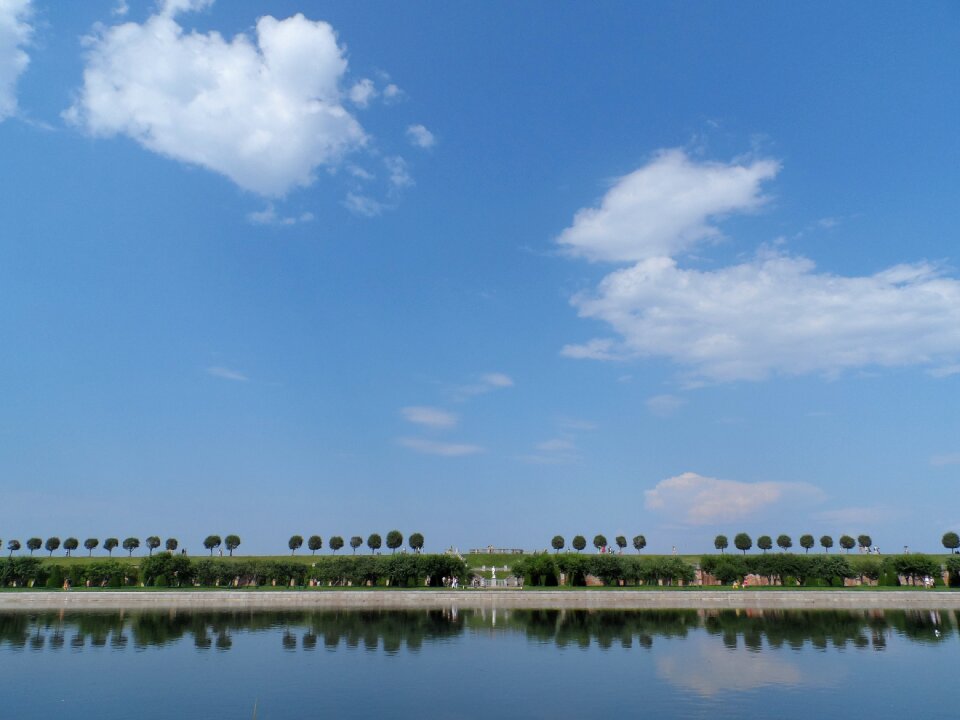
394	540
295	543
415	541
355	542
51	544
232	542
211	543
171	544
90	544
784	542
70	544
599	541
110	544
13	546
130	544
639	542
336	542
951	541
153	542
720	543
806	542
742	542
579	543
864	541
374	542
764	542
826	542
557	543
37	543
847	543
621	542
314	543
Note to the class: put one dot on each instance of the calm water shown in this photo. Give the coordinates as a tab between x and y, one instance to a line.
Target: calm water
473	664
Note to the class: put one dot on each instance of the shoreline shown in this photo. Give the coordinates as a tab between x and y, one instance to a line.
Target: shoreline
253	600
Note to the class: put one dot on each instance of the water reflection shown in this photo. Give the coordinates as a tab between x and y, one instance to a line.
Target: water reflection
393	631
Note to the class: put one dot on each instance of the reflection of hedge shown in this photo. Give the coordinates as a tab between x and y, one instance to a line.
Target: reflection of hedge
612	569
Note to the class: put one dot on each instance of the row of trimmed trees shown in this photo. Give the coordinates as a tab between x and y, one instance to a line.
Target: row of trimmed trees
52	544
743	542
579	542
374	542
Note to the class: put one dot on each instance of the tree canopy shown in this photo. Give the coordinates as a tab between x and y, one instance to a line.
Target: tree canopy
374	542
51	544
806	542
394	540
764	542
847	543
153	542
110	544
416	542
557	543
336	542
90	544
784	542
232	542
639	542
742	542
355	542
826	542
599	541
314	543
70	544
721	543
130	544
579	542
295	543
211	543
951	541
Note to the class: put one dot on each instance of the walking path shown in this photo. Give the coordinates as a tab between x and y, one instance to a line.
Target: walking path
436	599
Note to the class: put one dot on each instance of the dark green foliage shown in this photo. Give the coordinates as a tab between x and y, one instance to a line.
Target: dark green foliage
177	570
575	567
951	541
336	542
557	543
314	543
130	544
51	544
110	544
211	543
539	569
161	581
864	541
153	542
914	567
90	544
374	542
847	542
721	543
765	542
70	544
599	541
639	542
953	567
806	542
579	542
778	567
295	543
34	544
826	542
171	544
232	542
784	542
416	542
13	546
621	542
742	542
394	540
21	571
355	542
54	577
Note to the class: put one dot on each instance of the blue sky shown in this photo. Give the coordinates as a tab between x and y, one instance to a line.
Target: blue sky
487	273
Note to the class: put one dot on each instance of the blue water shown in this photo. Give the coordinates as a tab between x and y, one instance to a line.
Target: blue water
473	664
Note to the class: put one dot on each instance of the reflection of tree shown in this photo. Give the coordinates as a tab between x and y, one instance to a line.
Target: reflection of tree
392	631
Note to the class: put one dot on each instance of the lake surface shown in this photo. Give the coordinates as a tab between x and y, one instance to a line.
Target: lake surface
479	664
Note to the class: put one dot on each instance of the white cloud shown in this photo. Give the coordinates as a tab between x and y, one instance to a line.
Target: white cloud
699	500
430	447
853	519
121	8
774	314
498	380
269	216
362	92
265	113
397	169
420	136
227	374
363	205
392	93
665	405
15	33
556	445
665	207
945	460
429	416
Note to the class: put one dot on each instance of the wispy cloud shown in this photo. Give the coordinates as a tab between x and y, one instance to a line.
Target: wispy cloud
488	382
946	459
853	519
269	216
700	500
443	449
429	416
15	34
665	405
225	373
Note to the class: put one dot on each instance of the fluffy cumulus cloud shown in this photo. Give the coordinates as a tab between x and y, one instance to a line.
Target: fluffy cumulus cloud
665	207
265	112
774	313
421	137
15	32
699	500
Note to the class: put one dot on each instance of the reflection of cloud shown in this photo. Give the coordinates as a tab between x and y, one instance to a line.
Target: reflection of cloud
713	669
